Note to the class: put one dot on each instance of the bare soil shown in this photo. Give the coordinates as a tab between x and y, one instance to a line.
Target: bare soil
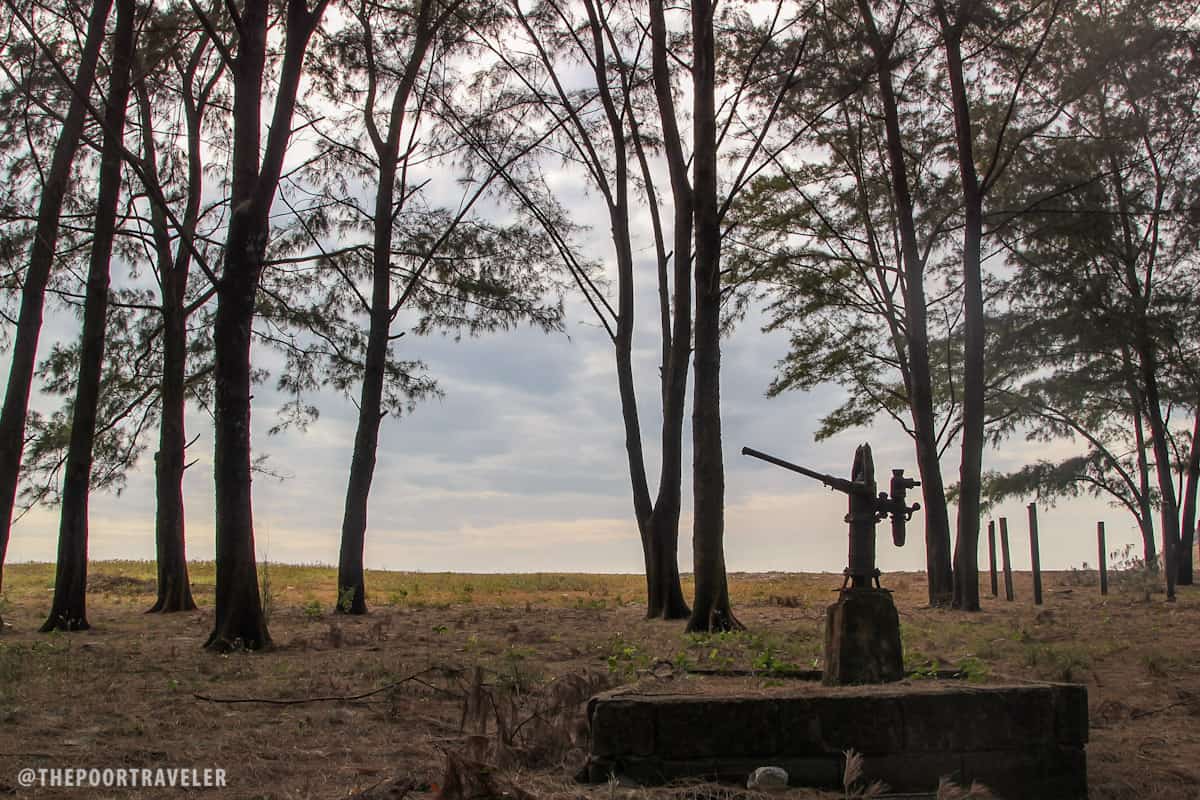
462	669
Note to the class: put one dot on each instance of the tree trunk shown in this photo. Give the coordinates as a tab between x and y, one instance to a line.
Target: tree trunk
966	566
666	599
69	610
920	381
1149	552
239	620
711	609
351	584
352	597
666	594
1169	506
1187	541
41	258
174	586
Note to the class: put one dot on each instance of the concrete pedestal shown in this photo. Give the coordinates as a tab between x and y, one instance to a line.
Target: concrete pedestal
1024	742
862	639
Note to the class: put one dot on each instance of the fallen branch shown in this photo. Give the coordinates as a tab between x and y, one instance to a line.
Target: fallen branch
326	699
1140	714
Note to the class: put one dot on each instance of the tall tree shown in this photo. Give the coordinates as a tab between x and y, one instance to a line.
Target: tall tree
607	128
1105	243
711	610
1009	43
445	268
187	75
845	245
69	609
41	259
239	620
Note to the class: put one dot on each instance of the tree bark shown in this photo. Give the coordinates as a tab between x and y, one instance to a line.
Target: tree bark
41	258
68	611
1146	516
1187	536
174	584
711	609
239	620
666	594
1169	506
966	557
920	380
351	580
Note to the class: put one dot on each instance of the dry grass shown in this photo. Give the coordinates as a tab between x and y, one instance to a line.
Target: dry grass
494	669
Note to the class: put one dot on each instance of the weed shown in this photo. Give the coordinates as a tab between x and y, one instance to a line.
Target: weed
1131	575
1066	664
313	609
852	779
767	661
920	666
625	659
949	790
1156	664
1082	576
975	670
266	590
516	672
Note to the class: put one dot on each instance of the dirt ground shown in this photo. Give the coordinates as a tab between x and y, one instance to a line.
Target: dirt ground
459	668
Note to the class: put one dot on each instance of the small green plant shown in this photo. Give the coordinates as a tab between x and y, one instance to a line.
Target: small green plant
975	670
517	673
313	609
625	658
767	661
920	666
1066	664
345	599
266	590
440	629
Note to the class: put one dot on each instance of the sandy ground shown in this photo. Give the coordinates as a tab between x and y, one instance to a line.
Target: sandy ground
497	668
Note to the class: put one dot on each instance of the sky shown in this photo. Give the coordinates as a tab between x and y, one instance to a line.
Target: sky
521	465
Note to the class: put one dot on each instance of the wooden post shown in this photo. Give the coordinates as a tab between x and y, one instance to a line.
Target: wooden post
992	555
1007	560
1103	558
1035	555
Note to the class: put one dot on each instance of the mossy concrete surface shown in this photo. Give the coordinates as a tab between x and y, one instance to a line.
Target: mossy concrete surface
1024	742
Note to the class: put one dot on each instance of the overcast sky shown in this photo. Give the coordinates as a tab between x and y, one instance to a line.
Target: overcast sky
521	467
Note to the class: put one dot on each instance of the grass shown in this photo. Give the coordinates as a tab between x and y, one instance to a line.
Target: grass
528	633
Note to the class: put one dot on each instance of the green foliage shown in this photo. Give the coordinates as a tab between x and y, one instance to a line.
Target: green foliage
313	609
1066	663
626	659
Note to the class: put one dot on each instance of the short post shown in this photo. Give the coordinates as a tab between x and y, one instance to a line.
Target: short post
1007	560
1035	555
1103	558
992	555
